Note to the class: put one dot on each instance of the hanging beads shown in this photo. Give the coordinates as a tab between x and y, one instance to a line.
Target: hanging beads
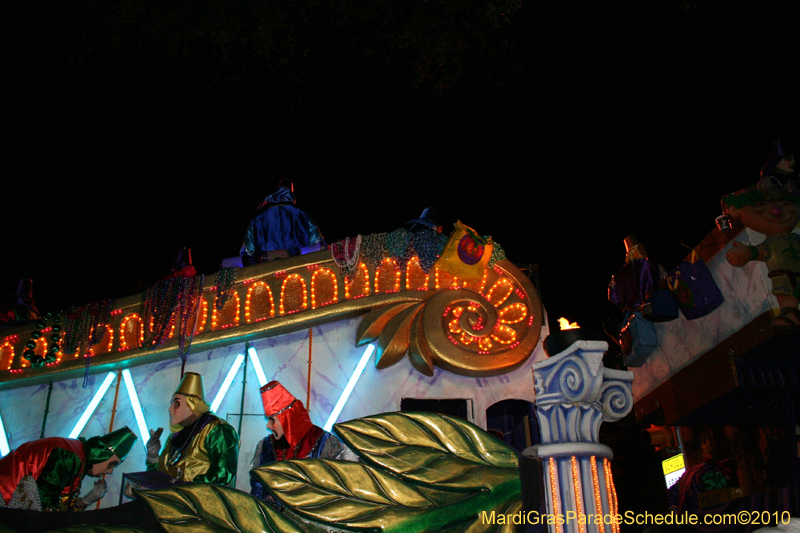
428	246
224	280
345	254
398	244
373	248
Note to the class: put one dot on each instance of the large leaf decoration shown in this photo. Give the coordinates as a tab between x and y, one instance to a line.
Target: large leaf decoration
431	449
393	341
420	354
354	496
201	508
373	323
423	472
345	494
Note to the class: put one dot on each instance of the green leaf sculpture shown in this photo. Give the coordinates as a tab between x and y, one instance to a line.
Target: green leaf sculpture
199	508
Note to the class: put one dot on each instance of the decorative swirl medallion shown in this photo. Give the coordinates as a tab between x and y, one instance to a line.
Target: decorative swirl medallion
483	328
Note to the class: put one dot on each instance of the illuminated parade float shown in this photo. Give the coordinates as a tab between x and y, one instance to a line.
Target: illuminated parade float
406	363
358	344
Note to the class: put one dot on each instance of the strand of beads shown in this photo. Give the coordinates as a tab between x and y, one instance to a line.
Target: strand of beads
345	254
37	361
398	244
99	314
373	248
159	311
498	254
191	297
76	328
428	245
87	323
224	280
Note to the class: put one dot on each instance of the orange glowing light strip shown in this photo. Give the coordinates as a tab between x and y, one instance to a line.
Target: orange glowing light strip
238	309
483	281
214	314
576	486
363	268
11	357
122	344
415	259
554	491
110	331
598	500
153	321
397	276
517	305
41	341
505	329
204	310
247	301
283	292
332	276
611	493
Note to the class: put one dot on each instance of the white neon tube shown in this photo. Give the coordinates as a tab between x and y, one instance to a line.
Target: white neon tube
349	388
227	383
262	379
144	435
4	449
92	406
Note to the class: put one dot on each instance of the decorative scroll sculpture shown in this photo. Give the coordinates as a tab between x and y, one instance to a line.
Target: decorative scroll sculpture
574	395
475	329
481	328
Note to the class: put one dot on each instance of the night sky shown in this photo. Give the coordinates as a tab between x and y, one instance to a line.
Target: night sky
562	130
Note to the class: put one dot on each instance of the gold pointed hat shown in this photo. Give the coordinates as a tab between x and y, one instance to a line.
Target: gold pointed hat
192	387
634	249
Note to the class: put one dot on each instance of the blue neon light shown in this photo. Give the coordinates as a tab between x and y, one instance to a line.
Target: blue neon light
92	406
262	379
144	435
349	388
4	449
227	383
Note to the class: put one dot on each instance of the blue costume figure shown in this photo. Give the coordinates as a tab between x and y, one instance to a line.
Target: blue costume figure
279	229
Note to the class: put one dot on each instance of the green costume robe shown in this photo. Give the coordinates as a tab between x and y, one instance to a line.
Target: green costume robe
205	452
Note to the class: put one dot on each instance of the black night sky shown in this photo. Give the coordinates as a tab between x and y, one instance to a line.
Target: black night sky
557	127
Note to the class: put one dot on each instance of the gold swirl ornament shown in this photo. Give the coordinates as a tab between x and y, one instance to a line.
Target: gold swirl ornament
477	329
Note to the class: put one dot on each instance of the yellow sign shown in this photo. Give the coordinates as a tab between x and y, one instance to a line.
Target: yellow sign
673	464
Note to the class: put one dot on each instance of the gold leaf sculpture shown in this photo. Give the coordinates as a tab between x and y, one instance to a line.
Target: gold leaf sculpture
424	472
393	342
431	449
206	508
347	494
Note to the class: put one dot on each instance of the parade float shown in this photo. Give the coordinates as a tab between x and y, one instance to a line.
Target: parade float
723	385
363	340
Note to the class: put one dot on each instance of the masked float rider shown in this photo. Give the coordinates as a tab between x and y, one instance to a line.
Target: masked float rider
202	447
279	229
46	474
293	436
